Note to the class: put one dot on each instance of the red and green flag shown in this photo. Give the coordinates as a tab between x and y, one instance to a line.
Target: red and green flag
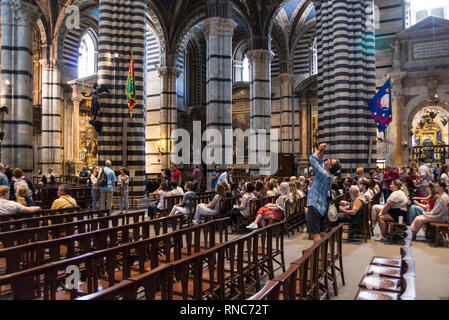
131	87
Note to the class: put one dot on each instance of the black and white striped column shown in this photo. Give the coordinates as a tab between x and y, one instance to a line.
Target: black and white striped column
260	101
286	113
17	83
168	113
52	147
346	80
122	30
219	33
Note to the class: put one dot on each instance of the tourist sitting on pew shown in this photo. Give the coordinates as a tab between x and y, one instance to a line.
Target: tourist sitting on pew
235	190
243	210
438	214
395	207
269	189
273	185
176	190
4	181
227	176
23	198
293	179
294	191
18	179
423	204
184	206
8	207
366	190
276	211
162	192
213	207
65	200
351	212
412	181
260	192
300	189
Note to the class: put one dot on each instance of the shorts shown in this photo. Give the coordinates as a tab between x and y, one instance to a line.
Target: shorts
315	222
396	213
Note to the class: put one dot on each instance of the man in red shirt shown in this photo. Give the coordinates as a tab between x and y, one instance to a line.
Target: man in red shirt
389	176
175	174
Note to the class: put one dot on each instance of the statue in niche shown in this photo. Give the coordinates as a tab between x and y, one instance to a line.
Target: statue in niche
397	53
95	106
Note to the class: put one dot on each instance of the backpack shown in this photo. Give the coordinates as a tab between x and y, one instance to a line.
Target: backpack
103	179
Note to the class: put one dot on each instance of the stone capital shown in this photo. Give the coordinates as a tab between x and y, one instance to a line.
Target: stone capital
260	55
221	27
286	77
171	72
51	64
22	13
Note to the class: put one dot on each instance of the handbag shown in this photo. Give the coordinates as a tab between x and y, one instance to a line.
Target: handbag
103	180
332	212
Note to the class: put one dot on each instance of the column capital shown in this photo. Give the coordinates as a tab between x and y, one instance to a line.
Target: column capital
397	78
22	12
286	77
169	72
51	64
260	55
218	26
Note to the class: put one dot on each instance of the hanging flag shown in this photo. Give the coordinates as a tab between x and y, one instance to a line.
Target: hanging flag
381	107
131	88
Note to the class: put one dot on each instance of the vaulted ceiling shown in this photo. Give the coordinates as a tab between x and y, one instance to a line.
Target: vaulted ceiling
256	19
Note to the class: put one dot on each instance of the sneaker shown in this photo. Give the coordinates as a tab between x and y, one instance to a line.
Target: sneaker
252	226
381	239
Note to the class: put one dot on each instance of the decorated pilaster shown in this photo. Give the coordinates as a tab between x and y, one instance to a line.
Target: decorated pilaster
286	113
398	106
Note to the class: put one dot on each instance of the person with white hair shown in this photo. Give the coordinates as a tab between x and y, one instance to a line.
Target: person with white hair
106	185
271	211
351	211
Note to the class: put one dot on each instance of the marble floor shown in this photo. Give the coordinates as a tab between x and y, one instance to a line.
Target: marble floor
432	264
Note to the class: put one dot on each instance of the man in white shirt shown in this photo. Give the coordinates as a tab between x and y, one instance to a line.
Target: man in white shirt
425	176
8	207
227	177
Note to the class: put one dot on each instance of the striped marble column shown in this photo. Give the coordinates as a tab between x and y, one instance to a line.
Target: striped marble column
286	113
52	146
122	139
260	99
346	81
17	83
169	112
219	33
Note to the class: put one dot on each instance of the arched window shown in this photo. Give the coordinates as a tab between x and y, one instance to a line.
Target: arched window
245	70
418	10
87	60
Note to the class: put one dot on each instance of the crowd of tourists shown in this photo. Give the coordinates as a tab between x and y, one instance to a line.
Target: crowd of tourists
415	195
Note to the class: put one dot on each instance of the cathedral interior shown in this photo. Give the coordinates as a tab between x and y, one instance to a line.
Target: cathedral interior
305	69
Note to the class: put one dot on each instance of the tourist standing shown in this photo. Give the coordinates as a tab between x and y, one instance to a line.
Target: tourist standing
106	186
215	175
4	181
227	177
197	177
317	198
18	180
95	192
175	174
84	176
122	185
425	177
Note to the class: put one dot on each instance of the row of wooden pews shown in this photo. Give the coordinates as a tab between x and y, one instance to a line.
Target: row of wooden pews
227	271
312	276
45	195
390	278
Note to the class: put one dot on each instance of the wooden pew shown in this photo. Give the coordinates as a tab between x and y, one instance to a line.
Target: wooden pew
29	255
23	236
99	268
50	220
218	273
38	214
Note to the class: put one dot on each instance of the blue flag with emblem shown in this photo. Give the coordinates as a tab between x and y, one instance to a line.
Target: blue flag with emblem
381	107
